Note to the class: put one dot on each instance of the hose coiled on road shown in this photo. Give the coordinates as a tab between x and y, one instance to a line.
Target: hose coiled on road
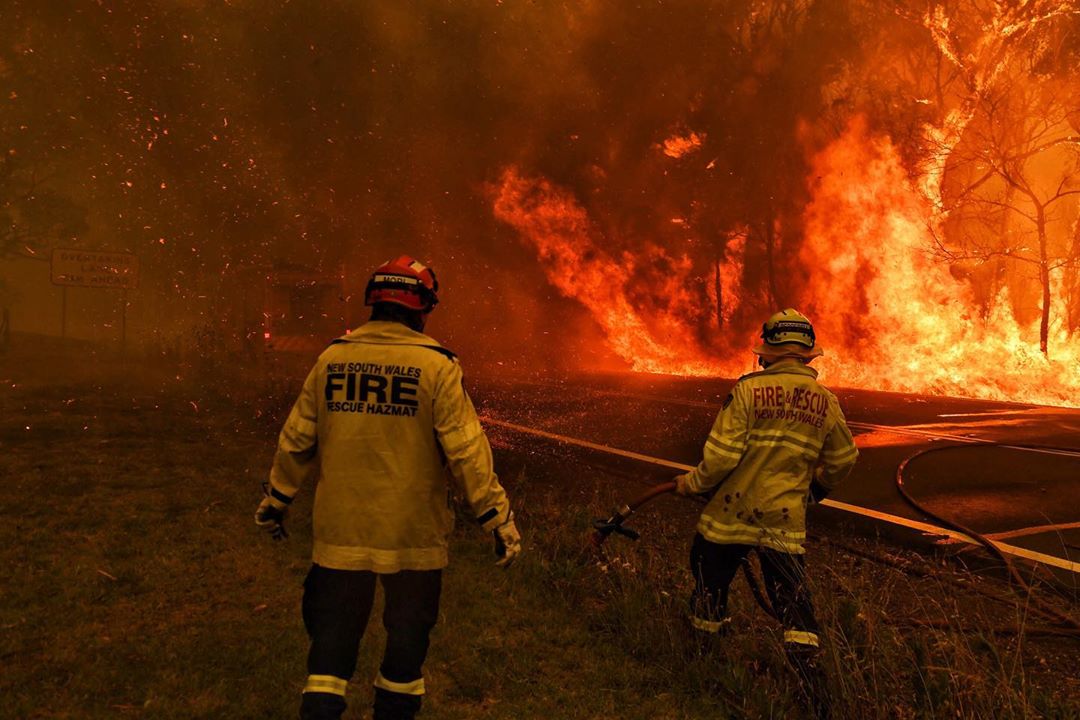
1047	612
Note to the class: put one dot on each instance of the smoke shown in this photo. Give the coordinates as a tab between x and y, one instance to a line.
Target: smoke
207	138
218	141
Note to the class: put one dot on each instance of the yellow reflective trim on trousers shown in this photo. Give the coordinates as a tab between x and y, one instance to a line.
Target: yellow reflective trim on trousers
416	687
709	626
801	637
326	684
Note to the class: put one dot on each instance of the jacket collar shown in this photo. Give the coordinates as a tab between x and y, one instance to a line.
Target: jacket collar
384	332
789	367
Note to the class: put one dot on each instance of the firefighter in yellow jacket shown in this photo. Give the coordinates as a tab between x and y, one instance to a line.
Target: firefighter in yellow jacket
779	438
380	417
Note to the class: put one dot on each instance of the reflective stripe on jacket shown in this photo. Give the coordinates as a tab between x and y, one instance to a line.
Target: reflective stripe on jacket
380	417
776	428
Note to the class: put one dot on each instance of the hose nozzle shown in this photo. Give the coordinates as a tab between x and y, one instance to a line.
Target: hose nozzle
614	524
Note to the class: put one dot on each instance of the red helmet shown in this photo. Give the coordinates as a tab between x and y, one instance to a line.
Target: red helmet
404	281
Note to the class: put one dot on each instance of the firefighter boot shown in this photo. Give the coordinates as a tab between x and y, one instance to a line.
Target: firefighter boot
395	706
708	637
321	706
814	689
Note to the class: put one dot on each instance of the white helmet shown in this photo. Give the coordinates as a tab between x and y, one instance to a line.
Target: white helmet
788	333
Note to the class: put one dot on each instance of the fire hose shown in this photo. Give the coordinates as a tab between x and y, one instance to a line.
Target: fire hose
614	524
602	529
1061	624
1057	618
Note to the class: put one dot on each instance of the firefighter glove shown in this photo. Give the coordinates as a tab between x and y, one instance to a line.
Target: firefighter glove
818	491
682	485
507	542
270	515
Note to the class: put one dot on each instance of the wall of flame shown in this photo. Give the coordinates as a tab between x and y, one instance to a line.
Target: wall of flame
888	313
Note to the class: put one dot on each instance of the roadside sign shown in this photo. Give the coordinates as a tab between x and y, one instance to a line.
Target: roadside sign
89	268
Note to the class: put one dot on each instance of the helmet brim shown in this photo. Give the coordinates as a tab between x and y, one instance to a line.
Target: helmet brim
408	301
788	350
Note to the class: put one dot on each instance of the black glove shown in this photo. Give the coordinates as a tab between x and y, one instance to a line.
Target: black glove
818	492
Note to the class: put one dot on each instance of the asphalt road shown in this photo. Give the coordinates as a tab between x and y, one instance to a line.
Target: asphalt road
1026	498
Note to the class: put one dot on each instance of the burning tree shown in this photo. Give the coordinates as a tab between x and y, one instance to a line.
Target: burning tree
1010	188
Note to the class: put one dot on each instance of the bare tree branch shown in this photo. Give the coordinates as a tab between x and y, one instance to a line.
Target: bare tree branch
1006	206
976	185
1067	263
1059	195
1068	140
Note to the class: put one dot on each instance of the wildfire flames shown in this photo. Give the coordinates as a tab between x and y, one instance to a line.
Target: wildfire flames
889	314
906	173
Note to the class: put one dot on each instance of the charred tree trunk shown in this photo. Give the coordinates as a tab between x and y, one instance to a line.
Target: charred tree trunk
1071	281
1044	323
770	260
998	277
5	329
719	292
1044	279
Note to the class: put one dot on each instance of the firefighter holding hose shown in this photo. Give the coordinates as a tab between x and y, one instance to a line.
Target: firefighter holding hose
380	417
779	438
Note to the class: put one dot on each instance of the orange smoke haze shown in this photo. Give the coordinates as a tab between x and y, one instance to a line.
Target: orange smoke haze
599	185
889	314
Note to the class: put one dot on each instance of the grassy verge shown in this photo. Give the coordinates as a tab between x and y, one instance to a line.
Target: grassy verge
879	666
137	586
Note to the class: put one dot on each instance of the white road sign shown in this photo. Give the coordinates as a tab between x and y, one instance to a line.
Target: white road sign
89	268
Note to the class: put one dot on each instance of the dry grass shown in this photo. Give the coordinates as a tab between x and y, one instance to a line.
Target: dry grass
879	665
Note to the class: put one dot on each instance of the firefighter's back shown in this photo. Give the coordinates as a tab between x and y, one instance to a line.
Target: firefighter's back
789	416
381	503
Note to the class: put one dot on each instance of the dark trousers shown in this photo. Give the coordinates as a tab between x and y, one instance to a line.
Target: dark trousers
336	608
784	576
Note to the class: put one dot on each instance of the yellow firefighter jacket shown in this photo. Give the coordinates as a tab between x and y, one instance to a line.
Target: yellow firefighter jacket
380	416
777	427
